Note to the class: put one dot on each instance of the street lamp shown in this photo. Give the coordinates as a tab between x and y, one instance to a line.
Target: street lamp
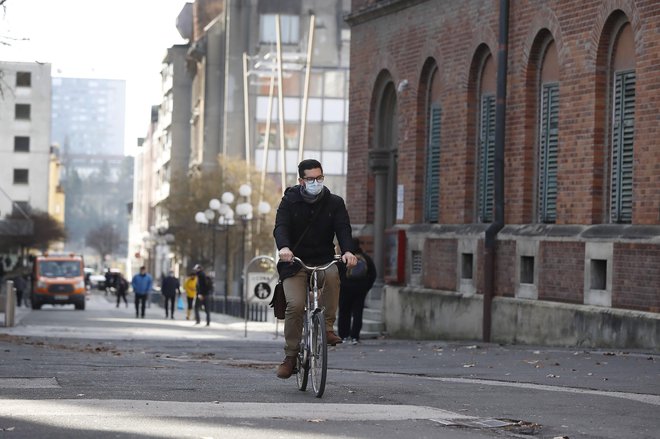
244	211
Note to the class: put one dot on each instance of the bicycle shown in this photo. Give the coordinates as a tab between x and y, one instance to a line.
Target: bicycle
313	354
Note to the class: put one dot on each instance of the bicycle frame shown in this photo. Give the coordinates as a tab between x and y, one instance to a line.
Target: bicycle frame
313	344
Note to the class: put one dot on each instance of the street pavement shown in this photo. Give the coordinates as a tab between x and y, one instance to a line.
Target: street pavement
103	373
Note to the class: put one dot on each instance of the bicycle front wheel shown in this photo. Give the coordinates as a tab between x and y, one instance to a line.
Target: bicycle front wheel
302	363
319	354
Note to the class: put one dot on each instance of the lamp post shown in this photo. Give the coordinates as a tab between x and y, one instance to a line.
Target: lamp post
244	212
225	221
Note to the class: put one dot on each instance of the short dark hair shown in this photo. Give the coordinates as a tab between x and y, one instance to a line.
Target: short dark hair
308	164
141	268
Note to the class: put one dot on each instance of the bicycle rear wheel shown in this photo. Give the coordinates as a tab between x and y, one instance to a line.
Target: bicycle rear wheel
319	354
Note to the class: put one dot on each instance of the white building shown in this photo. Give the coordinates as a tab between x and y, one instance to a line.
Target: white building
25	115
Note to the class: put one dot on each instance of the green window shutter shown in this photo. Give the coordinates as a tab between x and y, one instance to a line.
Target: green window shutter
547	160
432	193
623	133
486	188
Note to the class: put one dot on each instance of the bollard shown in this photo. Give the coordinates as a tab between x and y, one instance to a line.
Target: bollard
10	304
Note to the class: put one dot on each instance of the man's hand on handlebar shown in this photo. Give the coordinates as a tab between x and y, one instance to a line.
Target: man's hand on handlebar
286	255
349	259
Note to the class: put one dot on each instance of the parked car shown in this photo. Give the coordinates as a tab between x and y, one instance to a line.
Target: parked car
97	281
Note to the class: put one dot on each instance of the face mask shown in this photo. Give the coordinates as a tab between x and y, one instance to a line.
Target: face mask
314	188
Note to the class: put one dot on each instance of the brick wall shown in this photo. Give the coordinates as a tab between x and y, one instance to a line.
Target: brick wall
398	40
561	271
450	33
636	276
505	269
440	264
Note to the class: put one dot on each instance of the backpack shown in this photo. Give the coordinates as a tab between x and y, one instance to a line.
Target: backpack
209	286
359	271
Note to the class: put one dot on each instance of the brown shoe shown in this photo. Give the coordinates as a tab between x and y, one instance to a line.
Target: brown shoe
285	370
333	339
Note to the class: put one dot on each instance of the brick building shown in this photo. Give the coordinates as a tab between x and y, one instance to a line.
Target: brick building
577	260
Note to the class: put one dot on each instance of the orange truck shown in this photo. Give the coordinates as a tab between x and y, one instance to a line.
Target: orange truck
58	280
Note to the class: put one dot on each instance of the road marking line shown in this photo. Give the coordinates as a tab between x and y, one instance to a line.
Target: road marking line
234	410
639	397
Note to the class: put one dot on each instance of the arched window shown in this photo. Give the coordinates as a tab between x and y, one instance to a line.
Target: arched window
622	104
388	141
548	135
486	142
432	171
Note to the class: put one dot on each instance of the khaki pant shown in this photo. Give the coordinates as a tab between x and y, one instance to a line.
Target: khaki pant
295	288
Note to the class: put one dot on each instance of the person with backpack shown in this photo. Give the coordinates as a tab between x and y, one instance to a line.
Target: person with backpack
355	284
204	293
122	289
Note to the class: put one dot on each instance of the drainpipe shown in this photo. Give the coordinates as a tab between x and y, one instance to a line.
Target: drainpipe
500	129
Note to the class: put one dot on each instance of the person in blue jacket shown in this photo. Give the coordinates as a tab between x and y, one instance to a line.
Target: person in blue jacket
141	284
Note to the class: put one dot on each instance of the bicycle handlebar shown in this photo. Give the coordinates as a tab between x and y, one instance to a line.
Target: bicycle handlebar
319	267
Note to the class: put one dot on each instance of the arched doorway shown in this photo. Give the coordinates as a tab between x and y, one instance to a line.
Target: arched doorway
383	158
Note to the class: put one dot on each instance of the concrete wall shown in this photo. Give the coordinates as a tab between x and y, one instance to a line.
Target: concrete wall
431	314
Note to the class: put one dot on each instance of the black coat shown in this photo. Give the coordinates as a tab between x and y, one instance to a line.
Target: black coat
170	286
360	285
317	246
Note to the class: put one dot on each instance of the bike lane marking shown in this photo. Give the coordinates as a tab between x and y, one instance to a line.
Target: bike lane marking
638	397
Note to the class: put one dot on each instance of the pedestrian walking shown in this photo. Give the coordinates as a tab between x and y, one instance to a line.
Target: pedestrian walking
355	284
204	293
170	288
190	285
108	281
122	289
308	219
141	283
20	285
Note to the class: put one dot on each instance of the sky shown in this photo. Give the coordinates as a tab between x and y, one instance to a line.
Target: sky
121	39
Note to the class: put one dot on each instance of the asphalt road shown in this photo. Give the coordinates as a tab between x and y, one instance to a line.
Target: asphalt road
103	373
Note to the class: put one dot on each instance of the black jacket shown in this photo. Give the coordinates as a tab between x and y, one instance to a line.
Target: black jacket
317	246
170	286
361	285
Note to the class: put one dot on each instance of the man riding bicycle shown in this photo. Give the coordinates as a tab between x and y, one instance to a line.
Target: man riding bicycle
308	219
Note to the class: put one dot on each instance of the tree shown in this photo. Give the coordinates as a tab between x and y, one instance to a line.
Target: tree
45	231
104	239
192	194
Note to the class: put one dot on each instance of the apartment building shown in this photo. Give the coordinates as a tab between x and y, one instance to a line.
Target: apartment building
24	136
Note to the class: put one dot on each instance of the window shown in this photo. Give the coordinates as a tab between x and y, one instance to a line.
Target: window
289	27
485	142
622	127
432	193
487	158
23	79
20	207
623	133
21	144
20	176
548	145
22	111
333	137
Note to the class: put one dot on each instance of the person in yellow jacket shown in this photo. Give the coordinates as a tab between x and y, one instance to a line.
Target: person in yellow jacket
190	285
